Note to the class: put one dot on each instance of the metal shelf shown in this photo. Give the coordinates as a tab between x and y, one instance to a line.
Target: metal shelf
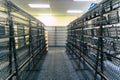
95	37
22	41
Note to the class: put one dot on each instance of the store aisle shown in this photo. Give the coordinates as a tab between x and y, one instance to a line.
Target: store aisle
56	66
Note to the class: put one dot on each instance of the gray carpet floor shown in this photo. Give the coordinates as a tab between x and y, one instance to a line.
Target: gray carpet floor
57	66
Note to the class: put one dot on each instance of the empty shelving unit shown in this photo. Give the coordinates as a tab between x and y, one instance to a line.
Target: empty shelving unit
94	40
22	42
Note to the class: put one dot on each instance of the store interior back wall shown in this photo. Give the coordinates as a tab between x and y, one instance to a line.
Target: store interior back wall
58	20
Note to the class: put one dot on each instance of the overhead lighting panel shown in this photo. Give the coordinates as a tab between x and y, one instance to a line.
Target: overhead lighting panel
74	11
85	0
39	5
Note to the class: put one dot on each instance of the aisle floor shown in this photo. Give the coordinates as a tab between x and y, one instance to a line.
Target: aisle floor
55	66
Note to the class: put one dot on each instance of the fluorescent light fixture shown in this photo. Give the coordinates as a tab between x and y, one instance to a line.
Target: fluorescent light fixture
74	11
39	5
85	0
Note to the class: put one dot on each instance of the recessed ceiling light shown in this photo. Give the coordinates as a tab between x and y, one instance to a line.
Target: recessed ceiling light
74	11
84	0
39	5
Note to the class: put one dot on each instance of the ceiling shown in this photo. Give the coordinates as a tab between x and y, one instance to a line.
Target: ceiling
57	7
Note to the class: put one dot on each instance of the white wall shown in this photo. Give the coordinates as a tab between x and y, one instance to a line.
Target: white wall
51	20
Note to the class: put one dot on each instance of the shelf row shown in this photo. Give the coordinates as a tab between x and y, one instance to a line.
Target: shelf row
95	37
22	41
